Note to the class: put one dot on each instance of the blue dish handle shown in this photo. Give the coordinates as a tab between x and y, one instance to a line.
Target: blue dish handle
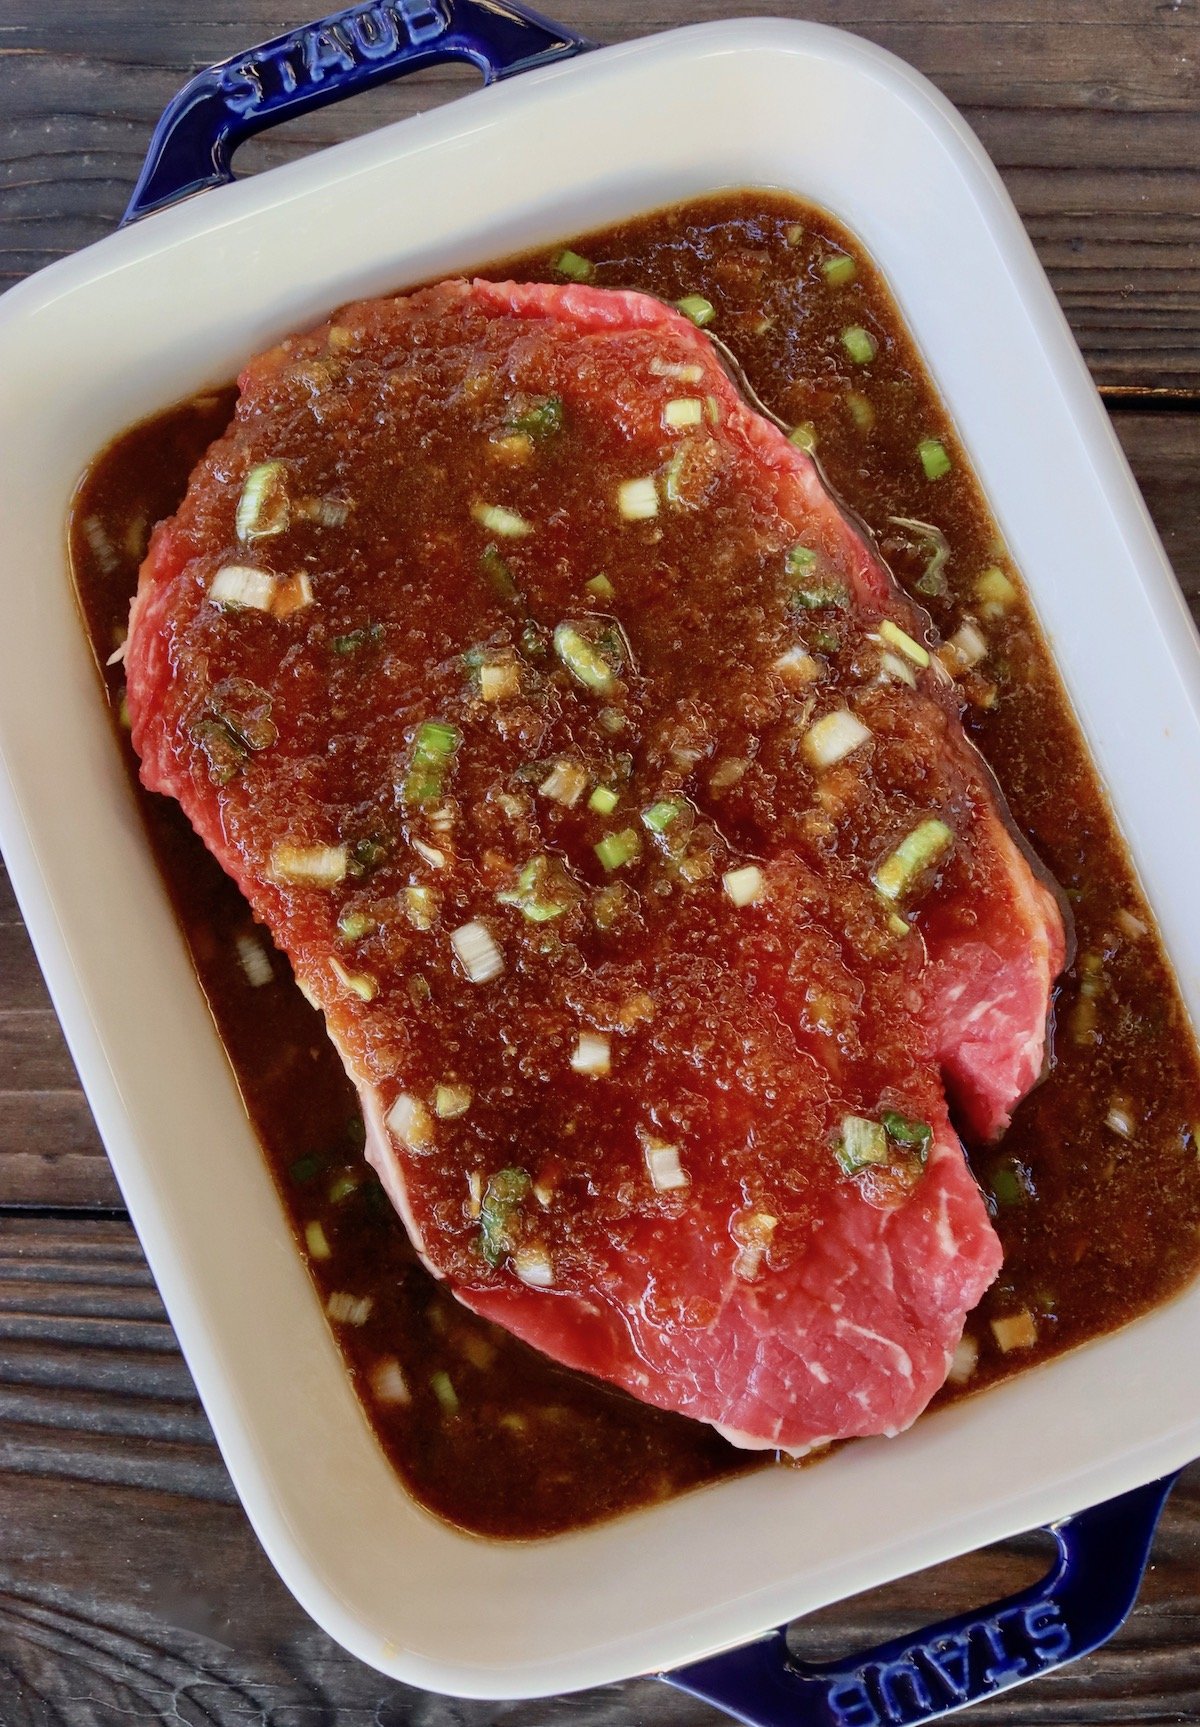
193	143
1083	1600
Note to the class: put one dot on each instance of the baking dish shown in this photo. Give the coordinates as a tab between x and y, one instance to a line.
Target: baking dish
175	303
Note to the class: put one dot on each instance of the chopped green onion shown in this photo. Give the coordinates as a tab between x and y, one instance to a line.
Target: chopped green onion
697	308
317	1241
542	421
359	983
592	1054
835	736
1119	1120
564	784
666	1172
388	1382
915	853
572	265
408	1120
262	509
442	1388
686	373
308	866
898	670
932	581
659	816
1009	1182
1015	1330
916	1136
744	886
860	344
355	639
292	594
476	950
420	906
499	1211
326	512
499	681
839	270
964	1361
683	411
861	410
345	1309
811	589
585	664
367	854
305	1168
353	926
601	587
432	752
497	519
604	800
801	560
804	436
498	573
797	667
254	960
637	500
240	587
451	1101
616	850
968	645
543	891
862	1143
342	1188
795	234
892	633
993	587
898	926
934	459
534	1266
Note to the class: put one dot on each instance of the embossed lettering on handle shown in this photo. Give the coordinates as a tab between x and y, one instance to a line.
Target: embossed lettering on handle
367	44
1078	1606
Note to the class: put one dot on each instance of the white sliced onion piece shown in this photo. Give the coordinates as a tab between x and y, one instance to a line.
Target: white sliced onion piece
593	1054
533	1266
744	885
254	960
241	586
637	500
834	737
663	1166
408	1120
476	950
308	866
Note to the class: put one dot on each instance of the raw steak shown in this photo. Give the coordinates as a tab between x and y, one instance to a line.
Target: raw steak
596	778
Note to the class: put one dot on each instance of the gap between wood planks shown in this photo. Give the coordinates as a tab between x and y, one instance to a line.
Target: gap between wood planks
1161	398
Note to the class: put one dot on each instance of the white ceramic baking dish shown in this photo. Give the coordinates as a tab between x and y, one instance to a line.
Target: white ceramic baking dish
177	302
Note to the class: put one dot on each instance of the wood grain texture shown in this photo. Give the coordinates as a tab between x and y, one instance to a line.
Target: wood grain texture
1092	114
131	1588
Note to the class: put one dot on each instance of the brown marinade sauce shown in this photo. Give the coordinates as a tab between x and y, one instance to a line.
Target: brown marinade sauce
1095	1189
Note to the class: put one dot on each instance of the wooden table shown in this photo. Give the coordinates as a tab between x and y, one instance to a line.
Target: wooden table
131	1587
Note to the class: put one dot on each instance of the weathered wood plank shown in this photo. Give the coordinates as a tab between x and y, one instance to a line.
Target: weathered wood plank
130	1584
1092	117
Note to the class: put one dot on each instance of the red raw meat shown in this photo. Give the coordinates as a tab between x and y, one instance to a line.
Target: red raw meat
689	1224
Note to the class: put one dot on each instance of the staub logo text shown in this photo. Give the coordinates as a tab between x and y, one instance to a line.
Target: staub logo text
318	52
951	1669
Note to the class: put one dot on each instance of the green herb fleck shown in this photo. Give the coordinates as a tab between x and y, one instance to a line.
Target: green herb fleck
499	1214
